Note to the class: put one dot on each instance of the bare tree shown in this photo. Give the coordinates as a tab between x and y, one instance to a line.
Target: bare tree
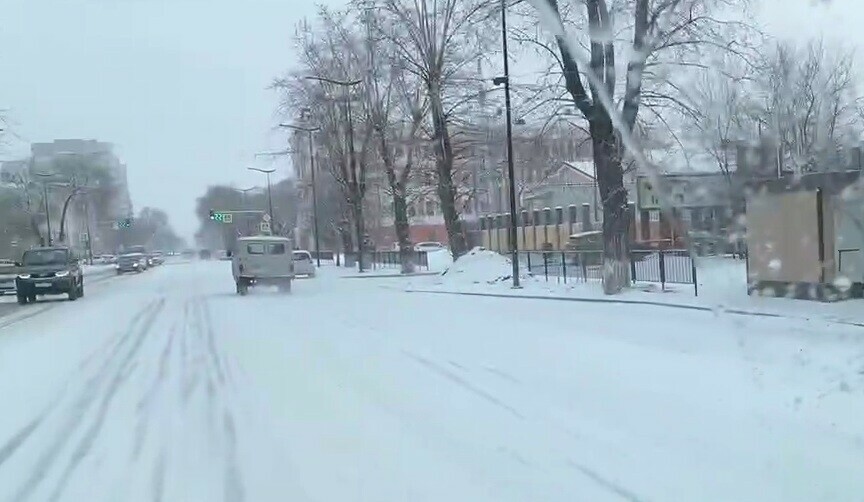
436	39
332	52
397	106
664	32
811	106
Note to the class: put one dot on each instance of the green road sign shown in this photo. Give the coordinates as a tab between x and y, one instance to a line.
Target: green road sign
221	217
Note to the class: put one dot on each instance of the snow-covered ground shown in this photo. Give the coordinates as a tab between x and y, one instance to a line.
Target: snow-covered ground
168	386
722	286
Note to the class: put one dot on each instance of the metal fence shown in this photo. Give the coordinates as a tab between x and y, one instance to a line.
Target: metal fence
388	259
324	255
673	266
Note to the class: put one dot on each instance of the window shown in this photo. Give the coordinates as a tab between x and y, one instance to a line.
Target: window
302	256
276	248
255	248
46	257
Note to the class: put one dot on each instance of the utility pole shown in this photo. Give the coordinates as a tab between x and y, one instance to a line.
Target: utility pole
310	131
514	251
89	235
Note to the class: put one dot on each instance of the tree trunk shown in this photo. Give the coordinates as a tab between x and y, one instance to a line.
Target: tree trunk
359	230
444	170
403	229
610	180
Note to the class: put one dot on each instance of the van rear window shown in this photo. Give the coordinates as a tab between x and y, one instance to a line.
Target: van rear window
277	248
255	248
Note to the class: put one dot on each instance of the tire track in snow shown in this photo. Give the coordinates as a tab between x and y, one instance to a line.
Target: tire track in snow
157	483
461	382
112	347
609	485
143	408
85	444
132	339
234	491
218	385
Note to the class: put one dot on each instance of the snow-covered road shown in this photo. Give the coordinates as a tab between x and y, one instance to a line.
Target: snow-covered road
168	387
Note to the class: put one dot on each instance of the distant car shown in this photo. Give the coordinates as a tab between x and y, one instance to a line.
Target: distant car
157	258
303	264
205	254
131	262
49	271
428	246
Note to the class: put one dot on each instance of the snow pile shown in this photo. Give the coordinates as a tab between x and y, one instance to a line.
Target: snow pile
480	266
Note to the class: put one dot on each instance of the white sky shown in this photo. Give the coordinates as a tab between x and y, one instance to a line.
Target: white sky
180	86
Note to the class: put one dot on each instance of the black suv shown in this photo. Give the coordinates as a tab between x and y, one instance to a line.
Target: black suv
49	271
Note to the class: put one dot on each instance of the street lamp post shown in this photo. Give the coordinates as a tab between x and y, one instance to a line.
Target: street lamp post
243	192
87	228
346	84
510	171
311	130
268	172
45	198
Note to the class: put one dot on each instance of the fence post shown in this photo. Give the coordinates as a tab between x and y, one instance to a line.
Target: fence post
564	266
528	255
632	267
546	265
662	256
584	267
695	282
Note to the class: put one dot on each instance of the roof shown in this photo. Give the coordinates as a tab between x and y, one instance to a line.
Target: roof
829	182
264	238
584	167
585	234
50	248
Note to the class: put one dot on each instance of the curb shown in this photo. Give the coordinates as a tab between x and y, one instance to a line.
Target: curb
679	306
388	276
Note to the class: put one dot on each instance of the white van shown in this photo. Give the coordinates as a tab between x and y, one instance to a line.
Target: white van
262	260
303	264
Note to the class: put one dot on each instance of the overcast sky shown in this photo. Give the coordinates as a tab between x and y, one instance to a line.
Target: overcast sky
180	86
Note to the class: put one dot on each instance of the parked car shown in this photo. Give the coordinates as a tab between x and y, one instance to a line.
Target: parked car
303	264
205	254
428	246
49	271
262	260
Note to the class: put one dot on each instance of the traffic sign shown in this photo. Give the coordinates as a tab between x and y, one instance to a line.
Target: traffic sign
221	216
266	218
265	228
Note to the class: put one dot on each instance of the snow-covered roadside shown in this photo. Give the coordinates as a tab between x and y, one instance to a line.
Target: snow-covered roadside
172	387
722	288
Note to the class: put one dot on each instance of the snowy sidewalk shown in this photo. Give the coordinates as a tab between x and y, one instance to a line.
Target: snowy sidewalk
722	289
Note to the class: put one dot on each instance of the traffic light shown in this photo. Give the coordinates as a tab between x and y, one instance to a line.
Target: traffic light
221	217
